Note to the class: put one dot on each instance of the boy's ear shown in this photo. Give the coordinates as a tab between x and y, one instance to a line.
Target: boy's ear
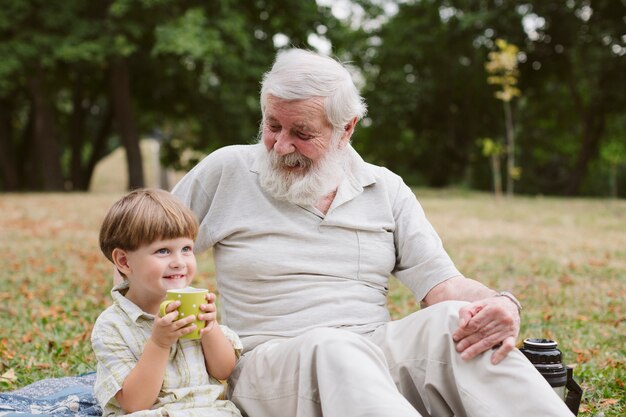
120	259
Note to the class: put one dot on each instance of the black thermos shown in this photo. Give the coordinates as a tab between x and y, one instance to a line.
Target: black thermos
543	353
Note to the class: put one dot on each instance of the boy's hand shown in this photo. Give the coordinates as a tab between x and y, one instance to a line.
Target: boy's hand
166	330
209	314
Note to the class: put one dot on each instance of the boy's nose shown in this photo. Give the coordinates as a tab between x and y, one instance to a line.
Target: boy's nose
177	262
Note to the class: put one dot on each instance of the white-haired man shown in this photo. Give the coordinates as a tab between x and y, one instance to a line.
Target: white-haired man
305	235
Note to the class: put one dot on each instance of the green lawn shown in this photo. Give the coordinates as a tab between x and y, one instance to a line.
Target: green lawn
564	258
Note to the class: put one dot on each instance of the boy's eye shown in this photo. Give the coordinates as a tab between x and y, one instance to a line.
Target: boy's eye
163	251
187	249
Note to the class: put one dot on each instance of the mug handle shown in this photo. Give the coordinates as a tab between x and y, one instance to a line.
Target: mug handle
163	306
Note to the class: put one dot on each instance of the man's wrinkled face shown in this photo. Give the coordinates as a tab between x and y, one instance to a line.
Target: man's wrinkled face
305	158
297	127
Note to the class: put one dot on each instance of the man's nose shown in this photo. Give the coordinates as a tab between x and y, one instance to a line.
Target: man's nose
283	144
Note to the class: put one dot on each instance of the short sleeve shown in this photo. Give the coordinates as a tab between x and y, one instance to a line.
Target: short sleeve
115	361
233	338
422	262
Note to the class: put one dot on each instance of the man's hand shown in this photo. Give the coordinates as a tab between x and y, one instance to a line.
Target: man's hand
489	323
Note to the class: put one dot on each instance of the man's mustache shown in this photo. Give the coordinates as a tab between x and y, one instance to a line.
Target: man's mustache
292	160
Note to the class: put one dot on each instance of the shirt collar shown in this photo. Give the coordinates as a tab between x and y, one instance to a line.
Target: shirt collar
128	307
358	177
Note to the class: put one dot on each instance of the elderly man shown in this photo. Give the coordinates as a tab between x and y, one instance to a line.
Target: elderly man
305	235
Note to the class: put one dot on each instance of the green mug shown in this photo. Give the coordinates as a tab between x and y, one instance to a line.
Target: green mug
190	300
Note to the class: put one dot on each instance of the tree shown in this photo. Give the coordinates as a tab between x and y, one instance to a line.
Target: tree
493	150
50	86
573	80
426	93
427	105
82	77
502	67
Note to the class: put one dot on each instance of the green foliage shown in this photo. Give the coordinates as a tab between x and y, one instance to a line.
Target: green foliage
502	65
490	148
194	72
190	36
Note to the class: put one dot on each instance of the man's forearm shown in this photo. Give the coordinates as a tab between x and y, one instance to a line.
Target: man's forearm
458	288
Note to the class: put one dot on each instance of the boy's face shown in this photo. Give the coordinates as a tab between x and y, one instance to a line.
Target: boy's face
155	268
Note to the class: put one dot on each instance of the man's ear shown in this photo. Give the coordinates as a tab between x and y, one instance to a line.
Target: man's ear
120	259
348	130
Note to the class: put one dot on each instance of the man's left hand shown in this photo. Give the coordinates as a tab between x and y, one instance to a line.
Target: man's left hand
493	322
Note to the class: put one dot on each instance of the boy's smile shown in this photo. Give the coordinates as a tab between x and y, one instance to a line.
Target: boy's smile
155	268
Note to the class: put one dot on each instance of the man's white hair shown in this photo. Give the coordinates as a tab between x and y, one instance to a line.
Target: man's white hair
298	74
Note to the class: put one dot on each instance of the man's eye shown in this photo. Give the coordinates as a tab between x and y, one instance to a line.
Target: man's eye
273	128
303	136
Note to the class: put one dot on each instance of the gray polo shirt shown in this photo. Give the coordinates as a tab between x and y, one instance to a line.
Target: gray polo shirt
283	269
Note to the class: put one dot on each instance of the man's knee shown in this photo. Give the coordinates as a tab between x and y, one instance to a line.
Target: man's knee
338	345
445	312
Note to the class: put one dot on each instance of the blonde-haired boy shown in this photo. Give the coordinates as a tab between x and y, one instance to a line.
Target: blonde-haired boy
144	368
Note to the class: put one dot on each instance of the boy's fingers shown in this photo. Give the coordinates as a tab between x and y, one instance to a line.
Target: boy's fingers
185	330
207	317
208	308
186	321
172	306
170	316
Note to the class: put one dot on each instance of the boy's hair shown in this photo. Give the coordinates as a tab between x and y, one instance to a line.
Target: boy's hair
144	216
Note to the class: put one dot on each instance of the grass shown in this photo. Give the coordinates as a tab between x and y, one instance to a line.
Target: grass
564	258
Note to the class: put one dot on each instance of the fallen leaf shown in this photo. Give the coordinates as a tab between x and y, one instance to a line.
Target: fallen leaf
608	401
9	376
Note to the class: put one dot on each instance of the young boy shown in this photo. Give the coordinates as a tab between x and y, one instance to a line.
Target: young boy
144	368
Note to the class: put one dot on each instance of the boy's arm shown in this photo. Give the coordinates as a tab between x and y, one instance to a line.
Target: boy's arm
141	387
219	353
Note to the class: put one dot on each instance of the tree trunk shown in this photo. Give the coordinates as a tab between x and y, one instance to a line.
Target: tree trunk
125	121
99	148
47	149
593	129
9	174
497	177
510	149
613	180
77	133
26	169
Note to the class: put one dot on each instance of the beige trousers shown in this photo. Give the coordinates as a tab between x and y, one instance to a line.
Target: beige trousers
407	367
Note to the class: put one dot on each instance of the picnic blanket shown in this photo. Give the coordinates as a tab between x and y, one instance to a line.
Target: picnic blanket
54	397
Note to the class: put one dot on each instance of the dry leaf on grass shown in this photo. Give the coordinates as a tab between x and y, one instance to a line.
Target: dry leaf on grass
9	376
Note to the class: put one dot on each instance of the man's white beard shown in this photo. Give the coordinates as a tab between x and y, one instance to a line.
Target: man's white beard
306	187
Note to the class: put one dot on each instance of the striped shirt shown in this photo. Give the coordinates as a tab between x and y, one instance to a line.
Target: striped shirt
118	338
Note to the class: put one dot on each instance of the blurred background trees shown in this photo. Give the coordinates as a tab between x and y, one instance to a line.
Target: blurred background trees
79	79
